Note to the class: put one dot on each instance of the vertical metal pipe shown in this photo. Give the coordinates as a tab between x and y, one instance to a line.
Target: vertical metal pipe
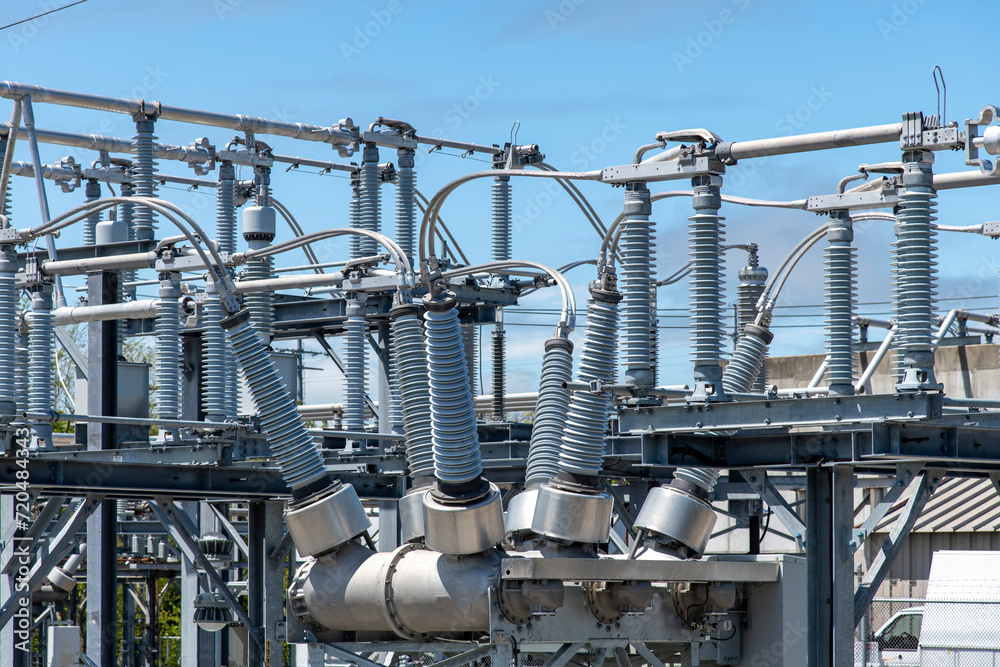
706	285
8	150
637	252
840	303
43	201
915	271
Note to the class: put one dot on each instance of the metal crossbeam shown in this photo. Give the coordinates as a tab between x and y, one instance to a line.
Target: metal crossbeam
762	485
890	549
180	528
59	546
563	655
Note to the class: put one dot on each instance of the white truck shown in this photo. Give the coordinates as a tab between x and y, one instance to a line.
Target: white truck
958	624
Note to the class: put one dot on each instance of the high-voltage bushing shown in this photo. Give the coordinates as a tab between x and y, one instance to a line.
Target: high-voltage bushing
168	347
915	271
143	173
324	513
259	229
470	346
355	363
678	516
462	511
551	409
406	217
370	203
744	369
41	351
571	506
753	278
411	365
841	299
637	247
92	192
706	285
8	333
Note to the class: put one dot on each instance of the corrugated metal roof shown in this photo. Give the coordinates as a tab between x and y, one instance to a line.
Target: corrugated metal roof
958	505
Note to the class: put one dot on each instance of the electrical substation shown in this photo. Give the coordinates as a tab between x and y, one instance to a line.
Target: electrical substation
417	522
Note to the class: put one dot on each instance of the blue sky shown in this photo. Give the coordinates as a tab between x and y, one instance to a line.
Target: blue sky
588	81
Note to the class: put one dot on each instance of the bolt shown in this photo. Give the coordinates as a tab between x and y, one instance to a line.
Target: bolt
861	534
753	478
852	543
598	625
760	487
907	474
697	425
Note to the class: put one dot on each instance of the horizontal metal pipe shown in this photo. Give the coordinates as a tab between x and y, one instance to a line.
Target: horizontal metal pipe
56	173
130	310
129	262
460	145
963	179
333	433
336	136
289	282
818	141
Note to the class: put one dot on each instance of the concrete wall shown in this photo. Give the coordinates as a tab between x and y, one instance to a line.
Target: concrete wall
965	370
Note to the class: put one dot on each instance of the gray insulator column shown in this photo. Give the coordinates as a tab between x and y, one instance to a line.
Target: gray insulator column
125	214
225	231
654	335
453	419
501	232
92	193
371	203
23	359
411	360
354	214
840	303
637	251
499	373
225	208
753	278
259	230
501	227
582	451
41	353
470	345
915	271
706	284
144	184
168	348
299	458
551	410
355	365
406	221
8	332
217	359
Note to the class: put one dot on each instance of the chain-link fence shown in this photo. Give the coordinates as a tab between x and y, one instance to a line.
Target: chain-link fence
930	633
